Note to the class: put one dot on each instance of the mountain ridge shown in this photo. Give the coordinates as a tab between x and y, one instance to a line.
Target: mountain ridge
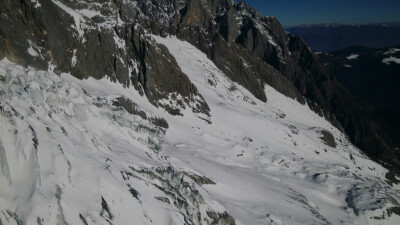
185	83
267	44
371	75
333	37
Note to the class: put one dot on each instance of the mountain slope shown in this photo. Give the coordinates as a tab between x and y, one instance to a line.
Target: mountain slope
299	140
72	157
118	167
372	76
108	39
177	112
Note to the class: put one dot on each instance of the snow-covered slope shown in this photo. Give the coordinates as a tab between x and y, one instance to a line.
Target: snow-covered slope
268	158
70	155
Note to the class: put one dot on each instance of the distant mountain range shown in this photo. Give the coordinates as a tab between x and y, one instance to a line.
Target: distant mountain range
372	75
332	37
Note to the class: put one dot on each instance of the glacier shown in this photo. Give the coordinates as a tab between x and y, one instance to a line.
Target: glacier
69	155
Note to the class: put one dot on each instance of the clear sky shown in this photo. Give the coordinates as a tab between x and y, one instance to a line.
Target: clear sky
295	12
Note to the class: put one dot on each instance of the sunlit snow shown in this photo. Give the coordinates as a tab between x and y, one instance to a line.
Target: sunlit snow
352	56
69	155
390	60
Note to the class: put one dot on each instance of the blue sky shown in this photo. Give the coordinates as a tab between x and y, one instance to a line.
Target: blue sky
294	12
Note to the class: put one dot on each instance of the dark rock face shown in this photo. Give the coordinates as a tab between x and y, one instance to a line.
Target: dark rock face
93	46
159	75
183	194
239	65
367	75
134	109
373	82
113	41
328	138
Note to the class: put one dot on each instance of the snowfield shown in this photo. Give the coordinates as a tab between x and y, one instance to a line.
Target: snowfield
352	56
70	155
391	51
390	60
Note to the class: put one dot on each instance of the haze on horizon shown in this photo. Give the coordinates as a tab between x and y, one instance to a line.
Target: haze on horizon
294	12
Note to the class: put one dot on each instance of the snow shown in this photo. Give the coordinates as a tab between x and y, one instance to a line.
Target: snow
64	148
352	56
62	151
73	59
31	49
89	13
119	43
391	51
37	5
390	60
83	19
32	52
270	176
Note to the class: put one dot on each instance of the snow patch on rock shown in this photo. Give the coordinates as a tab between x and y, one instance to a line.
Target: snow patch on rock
390	60
352	56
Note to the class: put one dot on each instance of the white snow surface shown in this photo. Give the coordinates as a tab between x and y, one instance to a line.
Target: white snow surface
352	56
64	148
391	51
32	52
390	60
31	49
262	160
37	5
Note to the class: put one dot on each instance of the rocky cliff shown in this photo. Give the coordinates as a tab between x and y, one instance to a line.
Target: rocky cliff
372	77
